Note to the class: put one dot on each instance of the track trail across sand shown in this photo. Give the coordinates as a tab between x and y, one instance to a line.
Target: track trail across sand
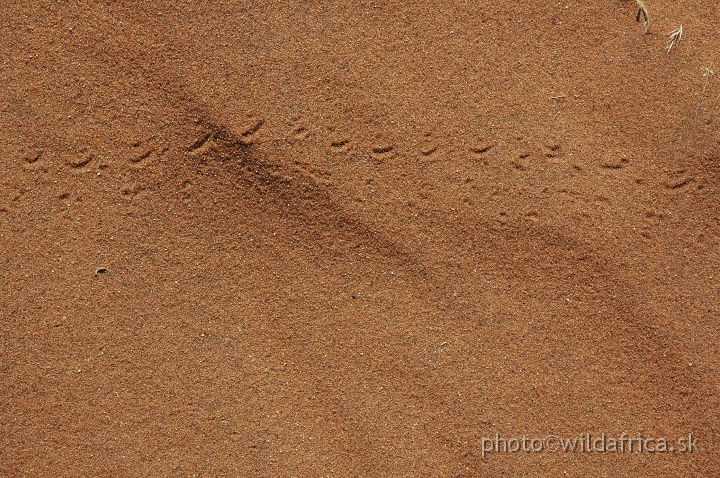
324	239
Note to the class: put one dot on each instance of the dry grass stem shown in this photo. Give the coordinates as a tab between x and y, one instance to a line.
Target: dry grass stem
675	37
707	74
642	11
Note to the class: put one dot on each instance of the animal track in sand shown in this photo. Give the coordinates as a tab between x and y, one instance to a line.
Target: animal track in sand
80	159
382	152
298	133
518	153
341	145
149	154
677	179
29	155
482	147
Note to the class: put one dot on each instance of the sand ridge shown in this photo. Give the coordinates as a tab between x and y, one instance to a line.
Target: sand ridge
355	239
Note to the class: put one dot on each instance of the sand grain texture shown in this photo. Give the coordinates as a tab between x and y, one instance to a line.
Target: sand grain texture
354	238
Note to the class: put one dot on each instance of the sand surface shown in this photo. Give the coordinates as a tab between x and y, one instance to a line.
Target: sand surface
310	239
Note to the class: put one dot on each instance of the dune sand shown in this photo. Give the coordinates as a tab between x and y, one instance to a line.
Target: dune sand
357	238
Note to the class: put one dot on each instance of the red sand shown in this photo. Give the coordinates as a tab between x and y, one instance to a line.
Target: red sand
353	239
